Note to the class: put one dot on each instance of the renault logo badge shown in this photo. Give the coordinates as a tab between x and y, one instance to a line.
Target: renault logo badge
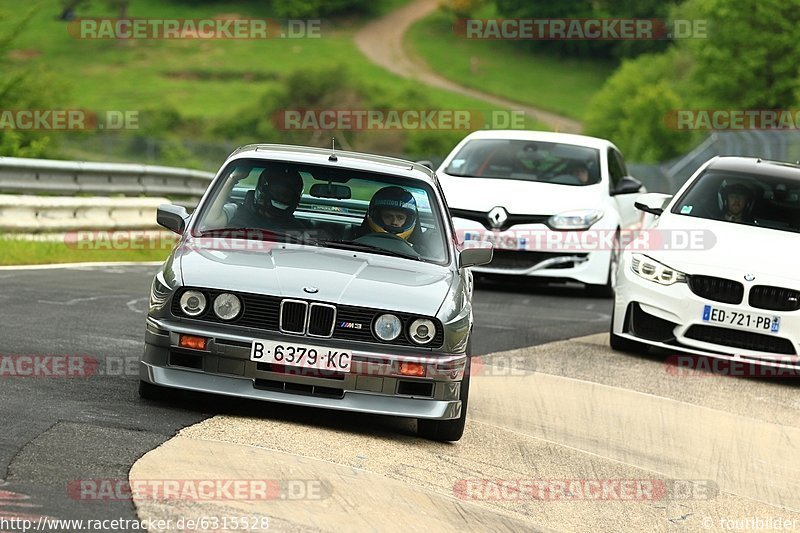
497	217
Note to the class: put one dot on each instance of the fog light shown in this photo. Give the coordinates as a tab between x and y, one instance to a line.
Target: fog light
190	341
412	369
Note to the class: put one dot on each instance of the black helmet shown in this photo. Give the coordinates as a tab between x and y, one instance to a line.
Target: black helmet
395	198
736	188
278	192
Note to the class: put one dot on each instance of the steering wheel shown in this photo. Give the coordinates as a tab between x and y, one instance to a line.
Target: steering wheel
389	239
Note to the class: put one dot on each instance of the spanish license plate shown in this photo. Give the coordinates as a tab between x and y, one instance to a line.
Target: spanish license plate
737	319
300	355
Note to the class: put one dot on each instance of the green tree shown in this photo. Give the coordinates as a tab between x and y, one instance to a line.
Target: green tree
749	59
635	105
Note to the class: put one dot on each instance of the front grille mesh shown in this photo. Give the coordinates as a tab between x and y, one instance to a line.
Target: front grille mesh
774	298
717	289
741	339
523	260
293	316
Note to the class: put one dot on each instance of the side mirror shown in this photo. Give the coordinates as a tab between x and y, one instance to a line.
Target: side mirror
172	217
426	163
475	256
652	202
627	185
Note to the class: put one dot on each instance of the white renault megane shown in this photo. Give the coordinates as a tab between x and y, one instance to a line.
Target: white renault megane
735	295
552	204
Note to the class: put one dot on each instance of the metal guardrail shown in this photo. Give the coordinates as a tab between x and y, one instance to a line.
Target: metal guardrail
37	176
41	214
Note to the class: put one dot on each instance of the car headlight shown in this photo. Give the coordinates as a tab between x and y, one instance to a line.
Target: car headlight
652	270
159	292
227	306
575	220
422	331
387	327
193	303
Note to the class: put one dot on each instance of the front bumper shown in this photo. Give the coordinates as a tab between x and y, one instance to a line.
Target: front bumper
373	384
536	250
671	317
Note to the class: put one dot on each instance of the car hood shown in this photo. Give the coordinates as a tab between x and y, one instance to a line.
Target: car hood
517	196
341	277
718	248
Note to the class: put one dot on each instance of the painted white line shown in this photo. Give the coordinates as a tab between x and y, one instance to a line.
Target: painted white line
132	304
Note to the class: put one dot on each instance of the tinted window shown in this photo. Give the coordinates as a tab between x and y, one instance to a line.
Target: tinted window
755	200
563	164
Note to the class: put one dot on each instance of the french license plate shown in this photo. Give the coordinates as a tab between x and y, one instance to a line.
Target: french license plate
499	241
300	355
751	321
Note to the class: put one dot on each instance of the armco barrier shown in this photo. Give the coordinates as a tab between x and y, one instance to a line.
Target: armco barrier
35	214
34	176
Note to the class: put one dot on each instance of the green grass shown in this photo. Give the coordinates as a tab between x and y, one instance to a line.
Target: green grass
561	85
26	252
200	78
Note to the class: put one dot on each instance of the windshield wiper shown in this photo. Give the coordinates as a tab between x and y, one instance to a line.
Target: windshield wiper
368	248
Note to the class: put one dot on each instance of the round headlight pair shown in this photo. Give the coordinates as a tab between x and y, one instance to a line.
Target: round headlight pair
388	327
226	306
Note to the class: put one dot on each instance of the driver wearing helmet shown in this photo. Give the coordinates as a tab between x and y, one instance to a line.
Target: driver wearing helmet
275	198
392	210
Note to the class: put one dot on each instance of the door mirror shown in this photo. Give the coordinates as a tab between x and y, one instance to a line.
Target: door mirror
475	256
627	185
652	202
172	217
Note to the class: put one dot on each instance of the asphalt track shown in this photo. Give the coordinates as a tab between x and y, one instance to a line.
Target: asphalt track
724	449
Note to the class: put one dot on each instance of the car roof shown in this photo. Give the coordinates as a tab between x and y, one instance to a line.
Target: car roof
344	159
755	165
546	136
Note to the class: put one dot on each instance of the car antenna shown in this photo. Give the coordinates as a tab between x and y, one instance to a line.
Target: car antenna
333	150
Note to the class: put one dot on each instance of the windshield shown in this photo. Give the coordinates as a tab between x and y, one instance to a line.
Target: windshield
563	164
329	207
753	200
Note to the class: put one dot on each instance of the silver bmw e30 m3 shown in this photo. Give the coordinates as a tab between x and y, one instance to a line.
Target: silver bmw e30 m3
317	278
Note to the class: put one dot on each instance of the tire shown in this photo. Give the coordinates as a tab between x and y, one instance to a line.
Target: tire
148	391
448	430
607	290
623	344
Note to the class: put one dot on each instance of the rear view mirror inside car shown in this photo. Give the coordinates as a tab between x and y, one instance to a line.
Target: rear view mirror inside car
330	190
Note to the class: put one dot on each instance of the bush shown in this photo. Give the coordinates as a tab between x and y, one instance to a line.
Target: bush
633	107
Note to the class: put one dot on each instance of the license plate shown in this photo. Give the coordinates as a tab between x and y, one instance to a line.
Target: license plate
499	241
300	355
751	321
